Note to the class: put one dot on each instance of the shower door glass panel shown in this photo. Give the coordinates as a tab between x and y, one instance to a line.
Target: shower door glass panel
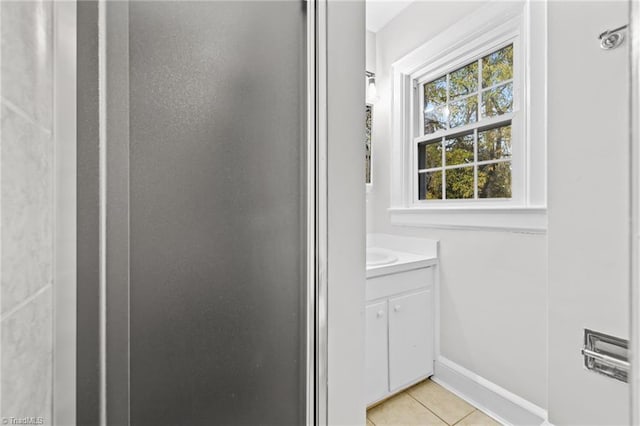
217	211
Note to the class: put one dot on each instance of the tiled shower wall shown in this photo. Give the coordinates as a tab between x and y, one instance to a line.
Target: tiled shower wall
26	209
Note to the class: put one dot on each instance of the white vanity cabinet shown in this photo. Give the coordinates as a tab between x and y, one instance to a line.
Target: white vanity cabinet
377	354
399	331
410	338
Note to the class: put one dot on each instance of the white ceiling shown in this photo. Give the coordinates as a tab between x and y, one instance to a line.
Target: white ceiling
380	12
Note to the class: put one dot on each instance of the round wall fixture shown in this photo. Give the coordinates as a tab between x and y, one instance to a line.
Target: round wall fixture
611	39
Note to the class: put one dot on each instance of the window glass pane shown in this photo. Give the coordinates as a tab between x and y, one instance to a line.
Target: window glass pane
497	101
436	91
459	183
435	118
494	180
459	150
435	98
494	143
430	185
463	112
430	154
463	81
497	66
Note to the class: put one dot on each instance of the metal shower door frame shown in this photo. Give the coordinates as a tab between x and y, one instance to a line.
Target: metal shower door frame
634	213
101	370
317	37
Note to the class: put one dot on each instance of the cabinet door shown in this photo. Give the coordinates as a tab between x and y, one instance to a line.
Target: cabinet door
410	338
376	356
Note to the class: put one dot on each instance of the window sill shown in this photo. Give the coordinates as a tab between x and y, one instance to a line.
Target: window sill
531	220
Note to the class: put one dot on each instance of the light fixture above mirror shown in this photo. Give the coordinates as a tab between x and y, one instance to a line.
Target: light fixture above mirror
372	93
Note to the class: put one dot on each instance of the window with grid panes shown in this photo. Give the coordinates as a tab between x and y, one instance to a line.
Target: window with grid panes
464	141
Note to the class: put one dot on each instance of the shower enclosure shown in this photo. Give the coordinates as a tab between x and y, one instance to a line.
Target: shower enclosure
196	213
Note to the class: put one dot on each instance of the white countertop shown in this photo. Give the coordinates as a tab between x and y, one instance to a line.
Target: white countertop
406	262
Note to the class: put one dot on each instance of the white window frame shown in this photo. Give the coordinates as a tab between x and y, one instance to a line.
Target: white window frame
491	27
417	101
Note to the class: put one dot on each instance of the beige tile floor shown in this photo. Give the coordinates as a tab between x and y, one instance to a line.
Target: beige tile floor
427	403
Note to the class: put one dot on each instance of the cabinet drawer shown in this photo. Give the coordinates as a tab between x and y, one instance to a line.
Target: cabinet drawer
388	285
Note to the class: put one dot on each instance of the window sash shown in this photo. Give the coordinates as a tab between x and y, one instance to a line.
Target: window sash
480	125
422	78
475	164
461	166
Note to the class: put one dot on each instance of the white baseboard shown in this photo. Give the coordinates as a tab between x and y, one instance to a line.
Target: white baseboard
497	402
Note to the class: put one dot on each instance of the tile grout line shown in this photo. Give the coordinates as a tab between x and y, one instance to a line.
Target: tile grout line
25	302
465	416
406	391
430	410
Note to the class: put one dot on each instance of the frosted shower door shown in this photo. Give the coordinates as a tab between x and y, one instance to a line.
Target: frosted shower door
217	212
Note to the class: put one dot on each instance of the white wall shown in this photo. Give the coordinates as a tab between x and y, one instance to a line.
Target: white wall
493	284
588	207
370	46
